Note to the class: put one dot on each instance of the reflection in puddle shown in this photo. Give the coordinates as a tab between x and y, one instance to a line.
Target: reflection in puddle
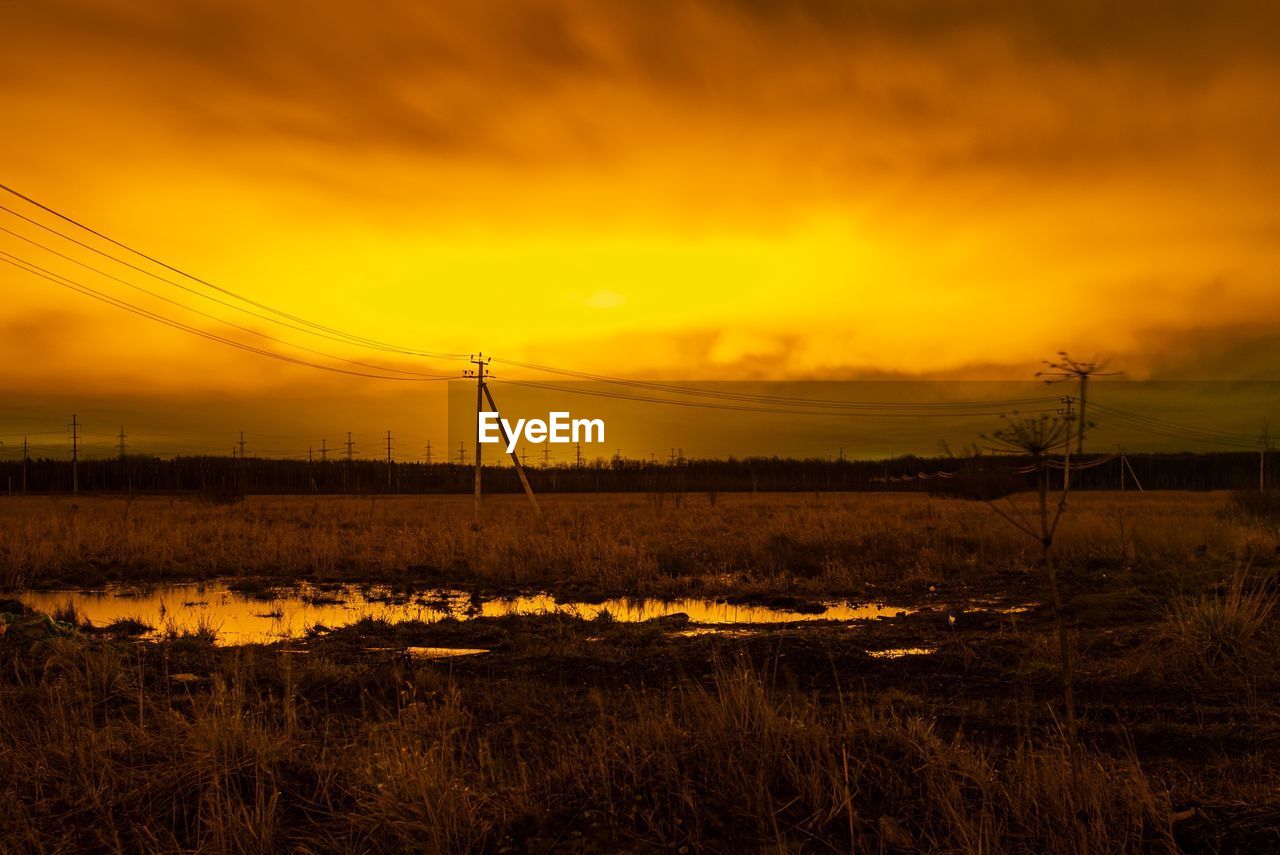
723	631
243	619
443	652
430	652
899	652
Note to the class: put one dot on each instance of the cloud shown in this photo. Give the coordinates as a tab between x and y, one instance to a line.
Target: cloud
810	189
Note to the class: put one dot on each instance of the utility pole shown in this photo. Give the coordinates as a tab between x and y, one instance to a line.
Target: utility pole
546	455
428	452
462	453
241	443
577	455
483	394
75	454
1264	445
1071	369
506	438
324	452
122	445
390	463
350	447
480	364
1068	413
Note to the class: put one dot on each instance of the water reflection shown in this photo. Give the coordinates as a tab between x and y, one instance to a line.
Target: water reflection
899	652
244	618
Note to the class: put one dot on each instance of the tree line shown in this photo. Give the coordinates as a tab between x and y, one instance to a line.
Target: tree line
229	477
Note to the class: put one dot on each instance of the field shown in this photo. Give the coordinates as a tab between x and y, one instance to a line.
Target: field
588	735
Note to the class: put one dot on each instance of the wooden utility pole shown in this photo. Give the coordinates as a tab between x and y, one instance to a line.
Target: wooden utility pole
1067	368
74	455
483	394
1068	413
515	459
1264	445
480	364
390	463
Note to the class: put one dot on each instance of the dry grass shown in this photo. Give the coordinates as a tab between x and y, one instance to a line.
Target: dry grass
247	762
627	742
1226	628
622	544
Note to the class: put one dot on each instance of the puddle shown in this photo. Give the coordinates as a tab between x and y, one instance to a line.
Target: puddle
443	652
240	618
899	652
430	652
722	631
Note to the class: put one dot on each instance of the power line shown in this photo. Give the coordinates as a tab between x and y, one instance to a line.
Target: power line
173	302
1162	427
774	399
81	288
753	409
349	337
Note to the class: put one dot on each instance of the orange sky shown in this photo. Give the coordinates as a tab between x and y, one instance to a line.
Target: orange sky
711	190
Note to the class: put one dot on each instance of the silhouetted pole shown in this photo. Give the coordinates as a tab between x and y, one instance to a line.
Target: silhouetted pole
1264	445
479	362
389	462
75	454
1069	368
121	445
524	479
1068	413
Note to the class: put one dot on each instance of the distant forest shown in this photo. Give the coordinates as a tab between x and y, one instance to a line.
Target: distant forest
228	477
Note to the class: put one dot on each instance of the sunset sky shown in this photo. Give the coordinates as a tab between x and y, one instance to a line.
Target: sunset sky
706	190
